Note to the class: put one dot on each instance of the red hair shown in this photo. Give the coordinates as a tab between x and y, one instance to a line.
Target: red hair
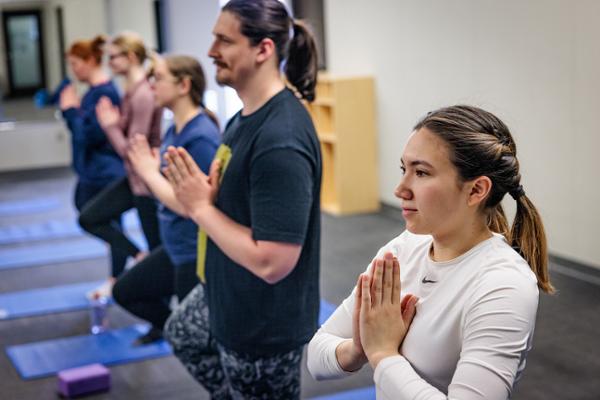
88	49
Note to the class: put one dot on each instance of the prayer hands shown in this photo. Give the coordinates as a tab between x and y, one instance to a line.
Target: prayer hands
383	320
193	188
107	113
143	158
68	98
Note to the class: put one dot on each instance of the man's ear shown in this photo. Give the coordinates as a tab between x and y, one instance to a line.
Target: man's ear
480	189
266	50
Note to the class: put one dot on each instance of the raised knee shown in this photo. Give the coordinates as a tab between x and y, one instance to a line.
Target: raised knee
118	294
85	222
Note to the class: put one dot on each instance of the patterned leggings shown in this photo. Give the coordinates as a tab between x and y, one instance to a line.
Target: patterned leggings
227	374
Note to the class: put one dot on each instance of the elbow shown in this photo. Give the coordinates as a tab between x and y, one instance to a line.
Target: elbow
273	274
273	262
274	271
314	359
310	360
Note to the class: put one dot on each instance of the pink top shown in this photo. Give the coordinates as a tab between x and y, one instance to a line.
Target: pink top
139	114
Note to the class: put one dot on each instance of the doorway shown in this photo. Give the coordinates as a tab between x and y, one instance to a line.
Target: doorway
24	52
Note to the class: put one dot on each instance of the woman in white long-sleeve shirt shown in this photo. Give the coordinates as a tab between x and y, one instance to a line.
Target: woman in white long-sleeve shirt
447	309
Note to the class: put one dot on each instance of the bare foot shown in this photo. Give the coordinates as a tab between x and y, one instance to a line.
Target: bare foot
104	290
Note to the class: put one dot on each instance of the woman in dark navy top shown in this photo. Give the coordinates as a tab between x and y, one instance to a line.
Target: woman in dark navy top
178	83
94	159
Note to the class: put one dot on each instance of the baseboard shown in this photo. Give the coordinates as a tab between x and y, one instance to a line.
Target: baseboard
580	268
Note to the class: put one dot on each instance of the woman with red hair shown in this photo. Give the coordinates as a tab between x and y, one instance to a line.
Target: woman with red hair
94	159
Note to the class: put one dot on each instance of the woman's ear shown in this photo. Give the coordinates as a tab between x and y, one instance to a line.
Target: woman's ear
185	85
480	189
131	57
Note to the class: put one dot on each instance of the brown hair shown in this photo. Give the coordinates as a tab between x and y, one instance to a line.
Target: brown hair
188	67
131	42
88	49
481	145
294	42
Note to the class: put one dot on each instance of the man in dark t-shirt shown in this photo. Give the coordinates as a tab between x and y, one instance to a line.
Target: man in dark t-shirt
241	334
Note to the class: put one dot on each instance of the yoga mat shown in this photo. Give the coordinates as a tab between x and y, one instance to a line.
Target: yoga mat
40	359
15	207
367	393
325	311
55	229
44	254
43	301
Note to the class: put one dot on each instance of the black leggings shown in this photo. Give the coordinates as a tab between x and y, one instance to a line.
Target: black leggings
145	289
99	214
84	192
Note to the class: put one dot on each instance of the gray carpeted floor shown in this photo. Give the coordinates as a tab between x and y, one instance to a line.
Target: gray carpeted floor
564	364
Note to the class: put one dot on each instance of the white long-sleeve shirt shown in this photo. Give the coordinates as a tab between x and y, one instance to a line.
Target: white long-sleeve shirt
471	333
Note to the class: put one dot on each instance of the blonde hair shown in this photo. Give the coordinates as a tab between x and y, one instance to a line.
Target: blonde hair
131	42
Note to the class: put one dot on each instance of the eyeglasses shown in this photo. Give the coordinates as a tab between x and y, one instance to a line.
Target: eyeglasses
111	57
159	78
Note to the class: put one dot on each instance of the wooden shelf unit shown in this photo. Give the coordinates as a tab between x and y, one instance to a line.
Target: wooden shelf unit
344	116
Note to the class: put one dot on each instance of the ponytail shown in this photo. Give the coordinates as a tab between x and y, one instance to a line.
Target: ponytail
210	114
302	65
497	221
97	47
528	236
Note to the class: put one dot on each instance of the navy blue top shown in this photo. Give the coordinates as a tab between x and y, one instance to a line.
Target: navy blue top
272	185
94	159
201	138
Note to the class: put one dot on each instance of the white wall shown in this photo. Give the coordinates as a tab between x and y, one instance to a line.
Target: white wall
534	63
135	15
188	29
82	19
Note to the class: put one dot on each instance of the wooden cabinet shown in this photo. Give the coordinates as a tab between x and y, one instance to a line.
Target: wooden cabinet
344	115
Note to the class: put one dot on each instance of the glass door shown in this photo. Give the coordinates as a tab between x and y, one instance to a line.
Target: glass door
25	58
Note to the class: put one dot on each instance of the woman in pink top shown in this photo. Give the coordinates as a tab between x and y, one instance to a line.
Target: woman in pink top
139	114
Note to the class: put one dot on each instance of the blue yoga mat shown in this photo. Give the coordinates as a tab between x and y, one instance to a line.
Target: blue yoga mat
36	360
42	301
73	250
367	393
15	207
54	229
325	311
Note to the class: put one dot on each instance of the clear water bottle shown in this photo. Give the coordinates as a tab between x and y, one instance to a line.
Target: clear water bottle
99	315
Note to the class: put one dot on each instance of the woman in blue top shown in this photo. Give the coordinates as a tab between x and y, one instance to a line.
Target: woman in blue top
94	159
179	84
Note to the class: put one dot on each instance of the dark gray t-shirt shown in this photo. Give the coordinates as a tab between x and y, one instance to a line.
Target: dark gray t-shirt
272	185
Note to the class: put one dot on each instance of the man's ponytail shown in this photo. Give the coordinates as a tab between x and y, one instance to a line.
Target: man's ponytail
302	65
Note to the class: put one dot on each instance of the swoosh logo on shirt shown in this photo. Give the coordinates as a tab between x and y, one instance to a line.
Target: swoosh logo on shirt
425	280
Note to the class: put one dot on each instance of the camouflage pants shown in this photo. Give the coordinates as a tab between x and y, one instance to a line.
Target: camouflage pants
227	374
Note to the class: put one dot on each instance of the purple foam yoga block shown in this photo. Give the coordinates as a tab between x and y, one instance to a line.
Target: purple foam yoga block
82	380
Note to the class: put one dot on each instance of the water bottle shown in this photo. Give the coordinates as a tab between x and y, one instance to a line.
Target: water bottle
99	315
